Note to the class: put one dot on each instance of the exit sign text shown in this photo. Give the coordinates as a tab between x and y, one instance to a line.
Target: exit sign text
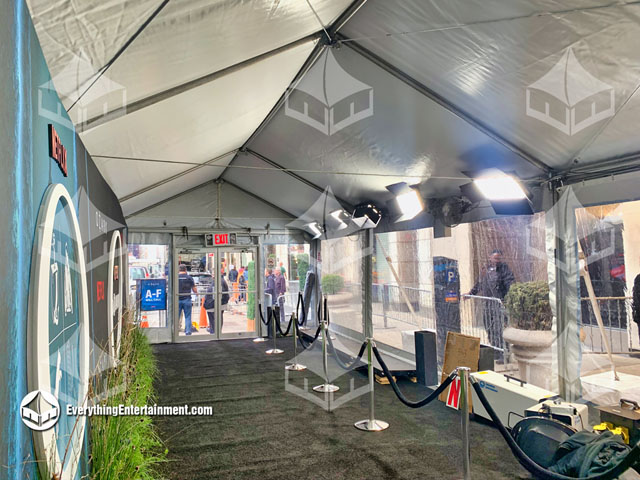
221	239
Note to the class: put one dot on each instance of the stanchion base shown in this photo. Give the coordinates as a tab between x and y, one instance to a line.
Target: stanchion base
274	351
295	366
326	388
260	339
371	425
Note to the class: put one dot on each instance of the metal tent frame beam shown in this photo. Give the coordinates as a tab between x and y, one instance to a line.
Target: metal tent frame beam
433	96
185	87
295	176
350	11
175	177
201	185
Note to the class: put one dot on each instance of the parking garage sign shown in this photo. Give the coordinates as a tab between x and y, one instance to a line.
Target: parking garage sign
153	294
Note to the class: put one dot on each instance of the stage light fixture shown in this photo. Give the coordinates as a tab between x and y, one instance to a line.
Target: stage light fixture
341	219
315	229
408	201
366	216
505	193
498	186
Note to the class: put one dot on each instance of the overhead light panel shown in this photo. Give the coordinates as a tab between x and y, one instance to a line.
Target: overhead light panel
498	186
366	216
408	201
340	219
315	229
505	193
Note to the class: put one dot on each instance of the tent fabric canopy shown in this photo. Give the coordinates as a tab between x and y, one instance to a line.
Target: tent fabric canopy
285	98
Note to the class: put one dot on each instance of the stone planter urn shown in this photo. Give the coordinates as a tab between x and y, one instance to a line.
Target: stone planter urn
532	350
529	331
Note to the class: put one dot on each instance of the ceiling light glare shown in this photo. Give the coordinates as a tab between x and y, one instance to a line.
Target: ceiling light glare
315	229
500	187
410	205
341	217
366	216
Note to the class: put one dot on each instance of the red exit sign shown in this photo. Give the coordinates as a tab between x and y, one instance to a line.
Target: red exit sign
217	239
57	151
221	239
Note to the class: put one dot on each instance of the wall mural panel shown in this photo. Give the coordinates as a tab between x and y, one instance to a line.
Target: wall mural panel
62	291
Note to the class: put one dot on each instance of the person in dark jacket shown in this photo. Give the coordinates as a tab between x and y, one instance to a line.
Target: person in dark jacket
281	288
635	306
269	293
494	282
496	279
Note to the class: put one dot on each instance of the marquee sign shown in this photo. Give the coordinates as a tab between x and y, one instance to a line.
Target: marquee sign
114	304
57	151
58	330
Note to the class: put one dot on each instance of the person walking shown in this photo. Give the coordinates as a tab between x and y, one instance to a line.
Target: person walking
281	288
186	286
242	285
269	292
495	282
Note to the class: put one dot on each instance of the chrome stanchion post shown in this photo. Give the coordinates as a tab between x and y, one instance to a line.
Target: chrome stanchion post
326	387
275	350
295	365
371	424
463	374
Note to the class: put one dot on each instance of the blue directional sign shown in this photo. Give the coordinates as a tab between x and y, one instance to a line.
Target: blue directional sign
153	294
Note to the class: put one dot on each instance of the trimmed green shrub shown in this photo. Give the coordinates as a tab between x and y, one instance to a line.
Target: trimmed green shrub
332	283
251	287
302	261
528	306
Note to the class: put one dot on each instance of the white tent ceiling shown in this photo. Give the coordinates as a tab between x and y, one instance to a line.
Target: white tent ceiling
172	94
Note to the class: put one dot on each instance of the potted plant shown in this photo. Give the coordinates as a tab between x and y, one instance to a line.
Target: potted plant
529	331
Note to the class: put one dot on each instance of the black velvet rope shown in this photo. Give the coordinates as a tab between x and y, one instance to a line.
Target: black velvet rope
336	354
421	403
262	316
304	342
303	317
540	472
291	320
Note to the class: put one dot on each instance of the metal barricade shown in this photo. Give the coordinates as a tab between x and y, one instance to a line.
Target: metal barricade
485	318
615	316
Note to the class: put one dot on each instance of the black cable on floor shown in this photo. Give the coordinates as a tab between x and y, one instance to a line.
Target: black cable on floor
421	403
540	472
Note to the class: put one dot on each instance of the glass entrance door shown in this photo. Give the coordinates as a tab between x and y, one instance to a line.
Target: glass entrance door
238	293
215	294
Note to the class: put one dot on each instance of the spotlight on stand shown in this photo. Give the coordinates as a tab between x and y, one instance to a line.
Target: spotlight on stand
338	219
315	229
505	193
366	216
408	201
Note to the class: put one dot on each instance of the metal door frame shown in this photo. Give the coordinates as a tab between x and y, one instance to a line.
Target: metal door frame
175	329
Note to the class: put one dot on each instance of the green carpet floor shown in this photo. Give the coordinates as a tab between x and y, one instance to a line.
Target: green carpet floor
262	430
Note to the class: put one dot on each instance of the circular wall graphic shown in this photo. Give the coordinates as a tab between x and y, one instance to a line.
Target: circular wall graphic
58	330
114	304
